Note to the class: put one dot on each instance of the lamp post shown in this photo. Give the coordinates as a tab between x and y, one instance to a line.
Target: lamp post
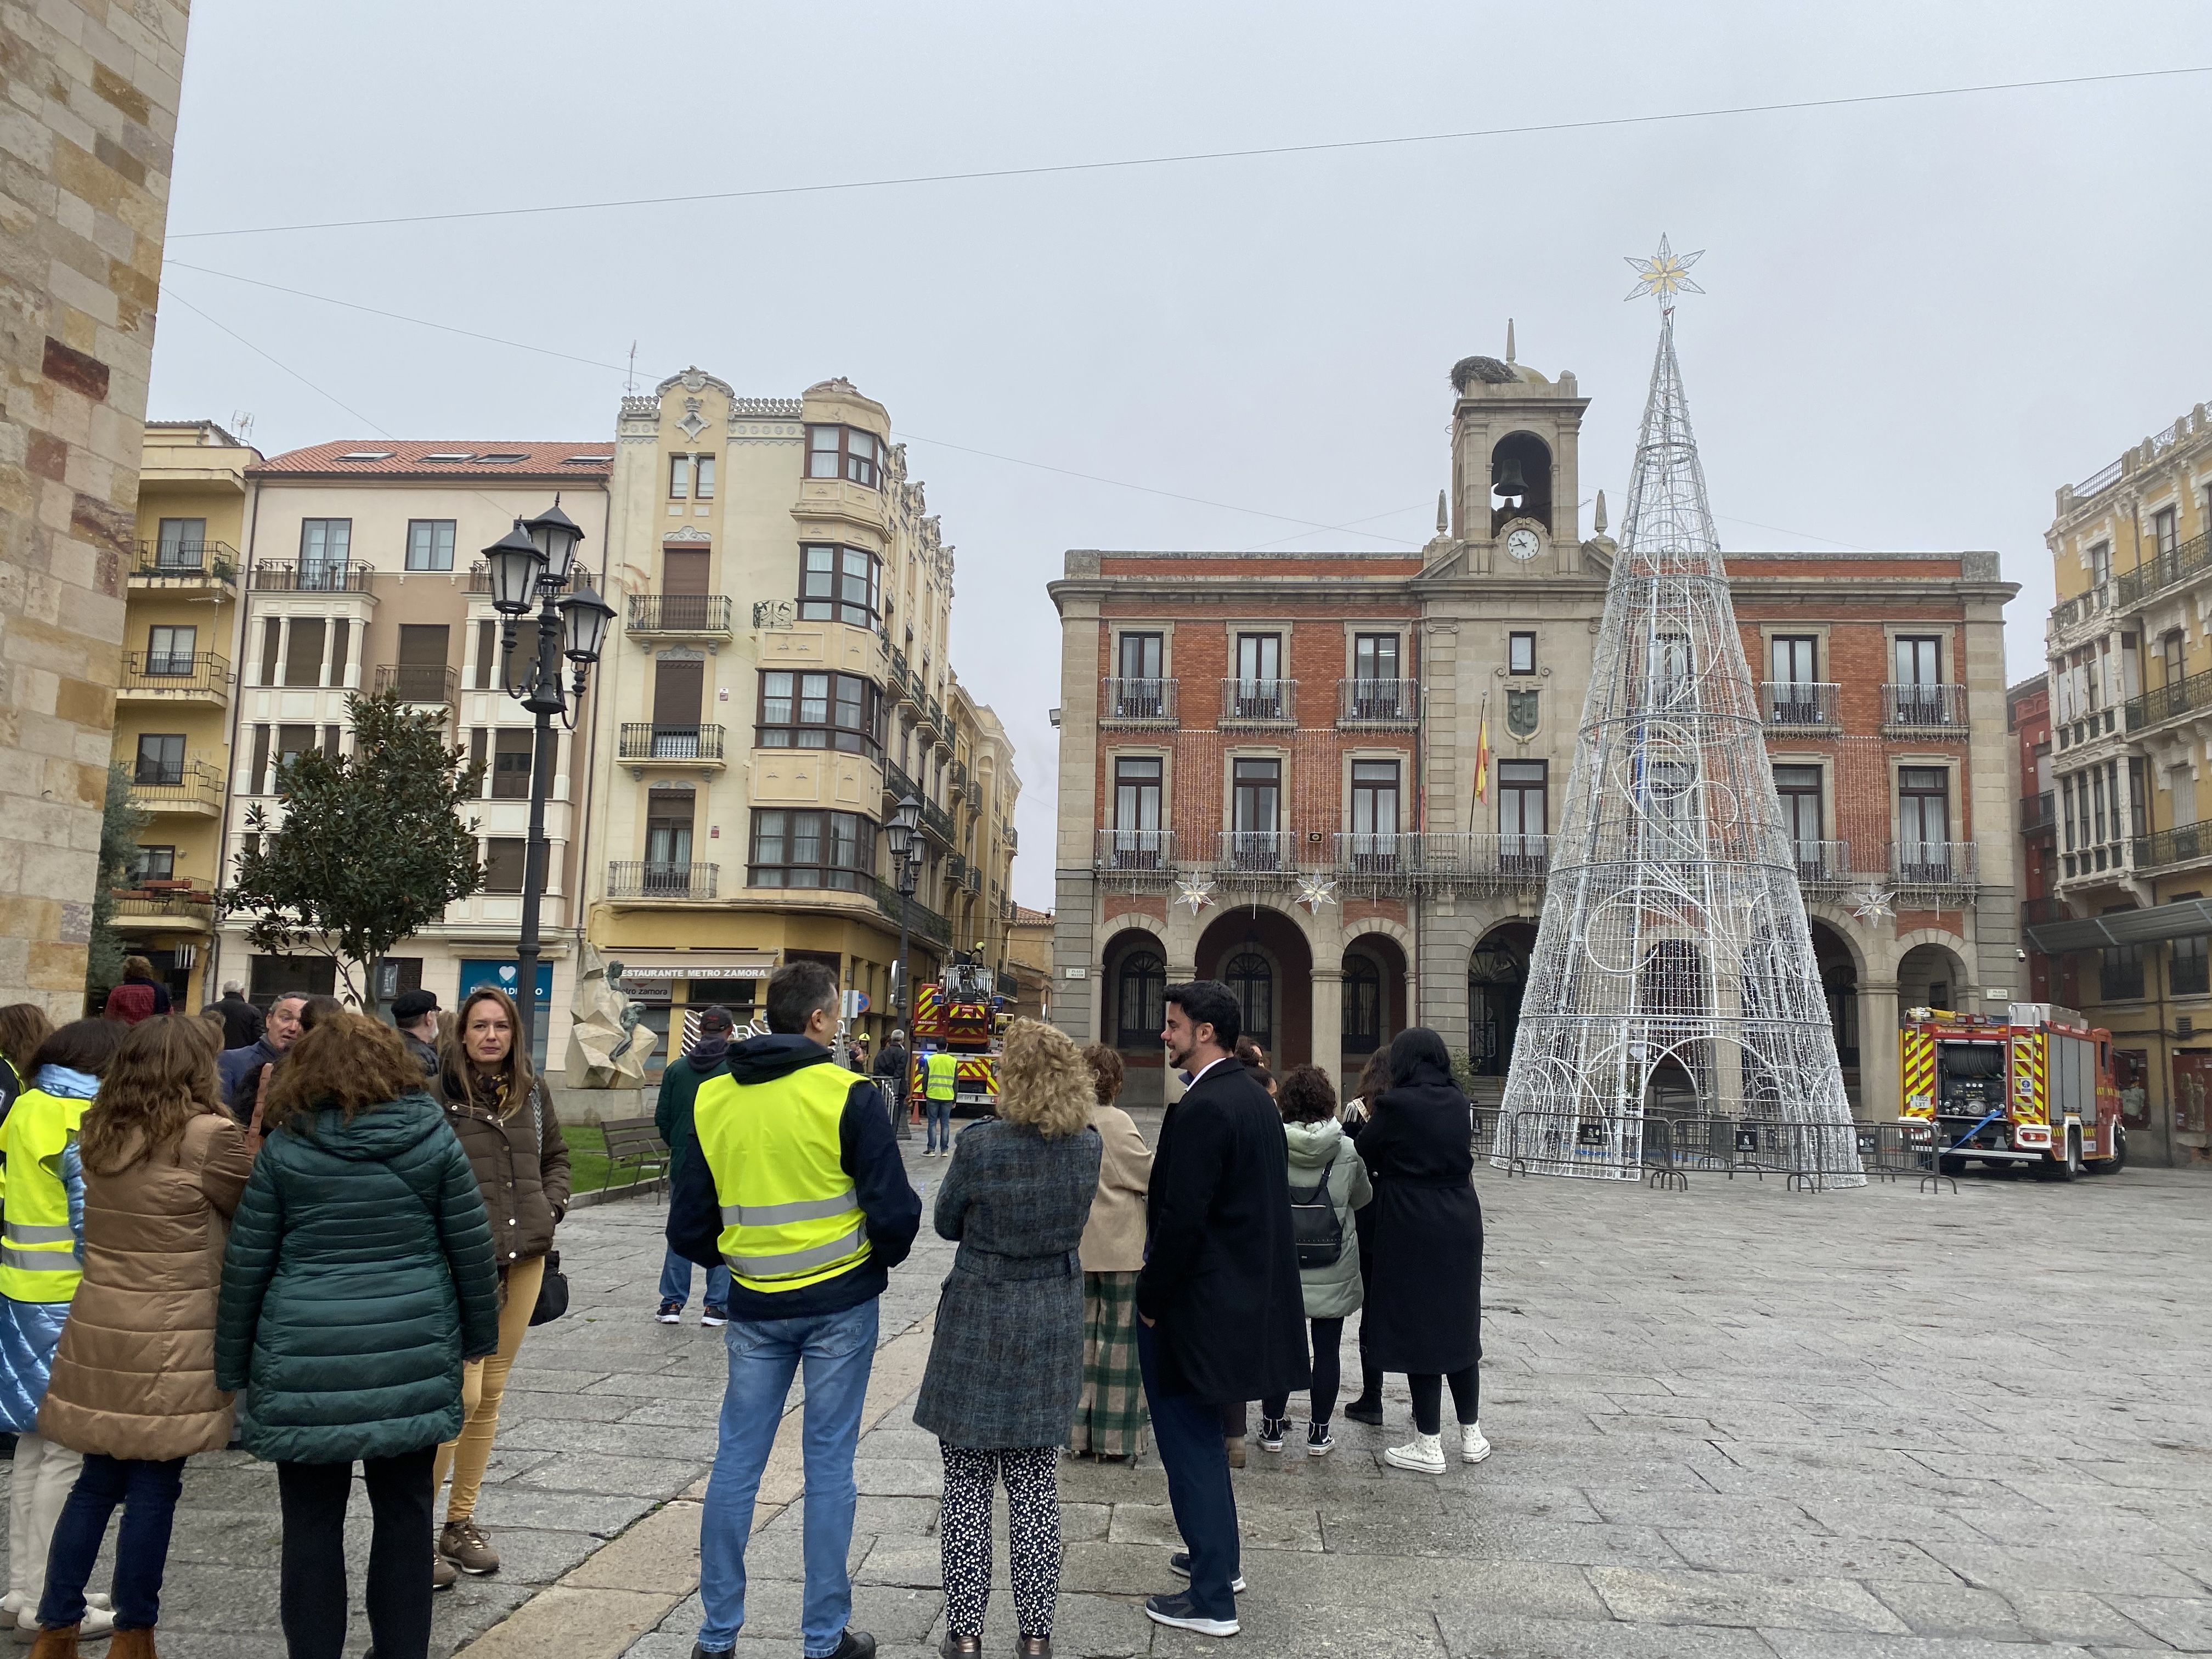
532	564
906	866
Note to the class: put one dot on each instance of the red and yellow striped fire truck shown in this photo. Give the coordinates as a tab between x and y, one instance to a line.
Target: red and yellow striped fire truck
961	1012
2032	1090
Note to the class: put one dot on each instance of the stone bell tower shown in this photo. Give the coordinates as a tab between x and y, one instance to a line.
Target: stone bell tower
1514	440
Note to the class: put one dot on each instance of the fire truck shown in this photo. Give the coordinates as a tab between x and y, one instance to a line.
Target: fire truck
962	1012
2031	1090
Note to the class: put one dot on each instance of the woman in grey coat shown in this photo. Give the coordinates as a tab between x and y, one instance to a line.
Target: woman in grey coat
1006	1366
1325	1166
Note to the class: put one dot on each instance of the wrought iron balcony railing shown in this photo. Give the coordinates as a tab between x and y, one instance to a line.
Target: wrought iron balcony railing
634	879
1134	852
2187	695
1463	858
176	674
1925	708
193	785
1939	864
186	564
1258	850
707	614
1373	853
652	740
289	576
2039	814
422	682
1259	702
1823	863
2163	570
1137	703
1378	705
1801	705
2186	845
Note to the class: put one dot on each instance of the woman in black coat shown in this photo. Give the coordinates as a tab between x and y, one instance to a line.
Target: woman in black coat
1424	1313
1005	1365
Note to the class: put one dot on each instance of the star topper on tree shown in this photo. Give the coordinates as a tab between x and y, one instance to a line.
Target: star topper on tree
1664	276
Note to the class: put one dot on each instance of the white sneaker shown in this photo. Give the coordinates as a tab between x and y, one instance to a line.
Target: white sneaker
11	1604
1423	1454
1473	1447
98	1622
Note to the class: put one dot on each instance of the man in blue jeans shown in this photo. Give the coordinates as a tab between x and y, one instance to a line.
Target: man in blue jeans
708	1056
794	1182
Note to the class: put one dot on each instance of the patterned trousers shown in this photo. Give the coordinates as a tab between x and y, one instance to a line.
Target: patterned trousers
1032	1528
1109	1422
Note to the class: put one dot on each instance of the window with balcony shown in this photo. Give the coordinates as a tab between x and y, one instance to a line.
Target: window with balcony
1373	657
1256	800
839	584
1795	659
1519	654
324	546
1799	789
844	452
800	710
1258	692
1669	660
2165	531
504	858
181	545
1923	821
430	543
670	810
1524	812
169	650
1137	841
161	759
1140	1001
1374	814
1251	980
2100	564
812	849
153	864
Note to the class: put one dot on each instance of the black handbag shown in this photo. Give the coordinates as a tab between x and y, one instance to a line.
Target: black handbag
553	1289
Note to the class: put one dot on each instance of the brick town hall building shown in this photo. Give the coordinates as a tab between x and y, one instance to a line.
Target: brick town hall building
1250	721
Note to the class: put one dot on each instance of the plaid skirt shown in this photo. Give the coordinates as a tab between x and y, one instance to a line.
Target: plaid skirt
1111	1421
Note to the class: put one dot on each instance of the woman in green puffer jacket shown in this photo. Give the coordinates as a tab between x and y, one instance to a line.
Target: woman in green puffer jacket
358	1277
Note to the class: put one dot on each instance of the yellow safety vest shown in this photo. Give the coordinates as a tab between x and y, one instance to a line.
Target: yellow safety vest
790	1217
943	1076
38	1250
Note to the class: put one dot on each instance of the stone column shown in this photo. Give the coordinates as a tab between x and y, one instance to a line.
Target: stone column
1328	1023
1880	1084
274	673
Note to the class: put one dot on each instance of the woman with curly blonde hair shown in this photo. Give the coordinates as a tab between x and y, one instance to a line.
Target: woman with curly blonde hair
1006	1366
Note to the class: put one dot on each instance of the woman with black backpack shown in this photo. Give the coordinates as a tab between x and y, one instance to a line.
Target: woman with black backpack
1328	1182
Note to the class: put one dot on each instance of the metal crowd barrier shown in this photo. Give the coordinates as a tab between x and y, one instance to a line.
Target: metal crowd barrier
1664	1151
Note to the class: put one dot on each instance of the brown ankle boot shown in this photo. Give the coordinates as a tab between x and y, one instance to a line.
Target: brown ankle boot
59	1642
132	1644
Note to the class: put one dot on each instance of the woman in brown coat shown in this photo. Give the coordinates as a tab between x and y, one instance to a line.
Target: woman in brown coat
1111	1421
133	1385
504	1119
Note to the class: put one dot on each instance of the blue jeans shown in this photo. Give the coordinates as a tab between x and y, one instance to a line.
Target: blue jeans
676	1282
148	1492
1187	1431
838	1351
939	1115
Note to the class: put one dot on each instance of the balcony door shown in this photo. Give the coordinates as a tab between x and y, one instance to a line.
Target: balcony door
1523	816
668	818
1259	695
1919	679
1923	823
183	544
1138	694
1257	804
1799	788
684	586
678	693
425	650
1137	813
1375	815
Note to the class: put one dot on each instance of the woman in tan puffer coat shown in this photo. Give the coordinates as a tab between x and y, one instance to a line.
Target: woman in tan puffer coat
133	1386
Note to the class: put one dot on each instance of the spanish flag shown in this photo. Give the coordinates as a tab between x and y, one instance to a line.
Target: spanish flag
1482	753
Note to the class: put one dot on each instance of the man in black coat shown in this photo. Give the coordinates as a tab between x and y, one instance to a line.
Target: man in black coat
1221	1318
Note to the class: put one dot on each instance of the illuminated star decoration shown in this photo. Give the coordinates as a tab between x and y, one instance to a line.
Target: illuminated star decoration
1195	892
1872	904
1313	892
1664	276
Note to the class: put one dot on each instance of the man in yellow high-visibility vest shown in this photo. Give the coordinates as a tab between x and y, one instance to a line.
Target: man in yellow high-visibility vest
940	1083
792	1179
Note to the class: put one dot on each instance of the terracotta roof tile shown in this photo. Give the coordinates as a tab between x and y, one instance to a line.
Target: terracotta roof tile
409	457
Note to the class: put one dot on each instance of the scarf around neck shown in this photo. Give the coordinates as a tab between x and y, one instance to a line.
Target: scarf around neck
60	1080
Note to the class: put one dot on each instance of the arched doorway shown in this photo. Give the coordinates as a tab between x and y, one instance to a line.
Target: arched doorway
1931	976
1134	976
1497	974
1261	955
1840	984
1374	996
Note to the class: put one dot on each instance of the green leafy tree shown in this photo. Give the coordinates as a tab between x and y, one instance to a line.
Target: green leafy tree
119	825
364	849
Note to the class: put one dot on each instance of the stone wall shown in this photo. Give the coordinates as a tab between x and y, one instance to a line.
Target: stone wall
88	93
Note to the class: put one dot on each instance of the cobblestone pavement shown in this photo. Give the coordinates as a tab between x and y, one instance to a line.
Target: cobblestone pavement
1734	1422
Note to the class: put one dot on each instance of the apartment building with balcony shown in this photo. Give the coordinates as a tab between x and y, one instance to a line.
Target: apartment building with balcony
361	572
2131	716
777	680
1268	765
183	587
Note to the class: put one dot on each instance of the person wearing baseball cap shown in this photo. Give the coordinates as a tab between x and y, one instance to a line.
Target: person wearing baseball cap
416	1014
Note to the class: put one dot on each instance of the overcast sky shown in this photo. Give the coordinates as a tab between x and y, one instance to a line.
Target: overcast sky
1921	317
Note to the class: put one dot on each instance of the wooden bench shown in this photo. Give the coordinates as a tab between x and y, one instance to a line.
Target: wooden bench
635	1143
